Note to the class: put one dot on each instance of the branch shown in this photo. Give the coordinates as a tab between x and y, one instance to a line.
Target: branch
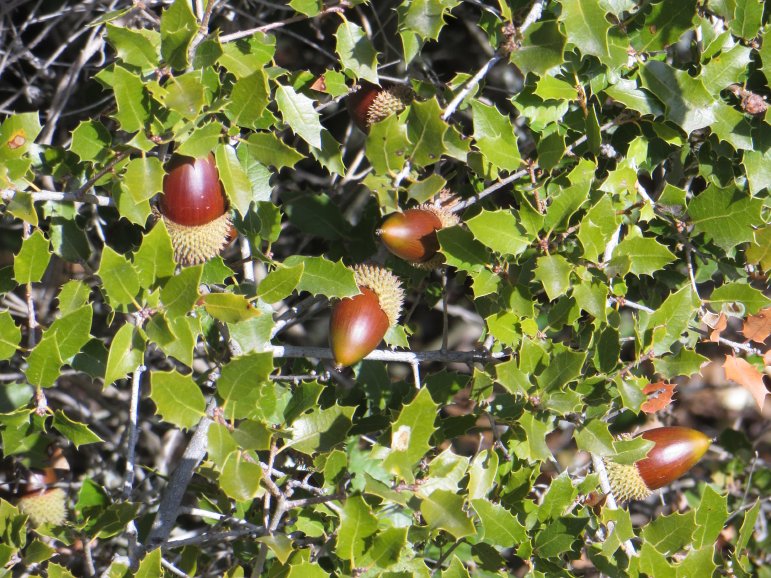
168	510
340	8
610	501
43	196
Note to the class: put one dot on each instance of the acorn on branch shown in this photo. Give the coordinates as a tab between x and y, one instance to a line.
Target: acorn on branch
676	450
43	503
371	103
411	235
195	209
359	323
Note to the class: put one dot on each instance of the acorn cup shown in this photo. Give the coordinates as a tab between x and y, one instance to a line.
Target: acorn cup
411	235
676	450
41	502
359	323
371	103
195	209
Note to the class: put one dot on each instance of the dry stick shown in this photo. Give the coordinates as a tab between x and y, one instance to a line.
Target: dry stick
56	196
131	442
168	510
610	501
291	20
532	17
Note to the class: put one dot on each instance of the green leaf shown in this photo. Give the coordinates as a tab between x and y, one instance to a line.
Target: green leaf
424	17
558	499
387	547
462	250
443	510
747	18
586	27
645	254
387	144
120	280
410	435
240	478
91	141
321	429
32	260
426	130
499	230
234	178
541	49
563	368
669	534
143	178
356	523
671	319
150	565
725	216
178	399
698	562
126	354
178	27
748	526
10	336
241	382
499	526
356	51
248	99
78	433
280	283
71	331
711	514
495	137
630	95
180	293
298	112
553	271
550	88
595	438
324	277
228	307
685	362
270	150
17	133
456	569
726	68
201	141
43	363
664	25
687	102
730	293
597	228
534	447
136	47
131	99
154	260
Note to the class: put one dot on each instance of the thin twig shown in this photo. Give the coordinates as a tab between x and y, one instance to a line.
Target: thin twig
610	501
291	20
396	356
56	196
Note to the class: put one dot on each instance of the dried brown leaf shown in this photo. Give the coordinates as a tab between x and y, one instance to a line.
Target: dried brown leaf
746	375
758	327
659	396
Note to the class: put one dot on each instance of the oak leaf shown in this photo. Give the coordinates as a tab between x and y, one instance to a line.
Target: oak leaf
758	327
748	376
659	396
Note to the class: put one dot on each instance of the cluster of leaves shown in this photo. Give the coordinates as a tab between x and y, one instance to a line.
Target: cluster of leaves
637	216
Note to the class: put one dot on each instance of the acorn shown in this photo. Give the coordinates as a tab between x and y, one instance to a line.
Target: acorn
195	209
371	103
676	450
41	502
411	235
359	323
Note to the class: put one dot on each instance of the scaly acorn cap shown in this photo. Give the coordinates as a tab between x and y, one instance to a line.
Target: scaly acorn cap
676	450
391	100
385	285
197	244
44	507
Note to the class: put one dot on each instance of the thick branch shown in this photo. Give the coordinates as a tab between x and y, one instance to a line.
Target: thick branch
399	356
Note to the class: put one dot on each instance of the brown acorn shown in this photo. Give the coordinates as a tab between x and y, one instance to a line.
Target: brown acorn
195	209
676	450
359	323
41	502
411	235
371	103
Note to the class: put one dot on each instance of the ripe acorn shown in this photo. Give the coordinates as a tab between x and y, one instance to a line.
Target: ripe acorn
41	502
359	323
371	103
676	450
411	235
195	209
